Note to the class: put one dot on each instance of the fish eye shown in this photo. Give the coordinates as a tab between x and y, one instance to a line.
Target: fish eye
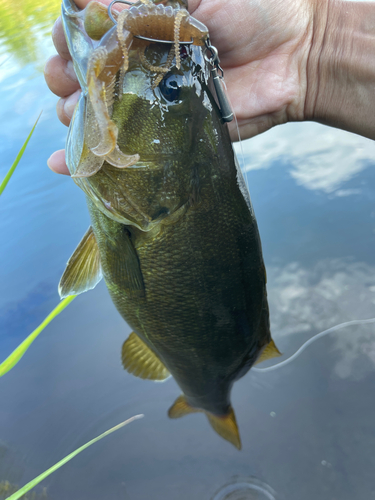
170	87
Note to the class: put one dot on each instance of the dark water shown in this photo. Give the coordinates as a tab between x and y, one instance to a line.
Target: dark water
307	429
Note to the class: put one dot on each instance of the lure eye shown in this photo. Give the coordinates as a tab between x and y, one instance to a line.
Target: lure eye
171	86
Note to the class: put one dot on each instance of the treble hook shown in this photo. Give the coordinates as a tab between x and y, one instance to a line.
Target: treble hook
139	36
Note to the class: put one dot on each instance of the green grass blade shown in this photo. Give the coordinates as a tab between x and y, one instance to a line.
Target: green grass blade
17	354
18	494
18	157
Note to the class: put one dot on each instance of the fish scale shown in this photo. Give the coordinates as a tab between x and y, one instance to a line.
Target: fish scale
181	290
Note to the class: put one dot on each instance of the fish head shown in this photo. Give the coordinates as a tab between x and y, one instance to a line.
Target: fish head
136	131
166	119
159	115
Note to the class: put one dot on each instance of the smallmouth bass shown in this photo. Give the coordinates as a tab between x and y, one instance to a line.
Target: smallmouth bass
173	231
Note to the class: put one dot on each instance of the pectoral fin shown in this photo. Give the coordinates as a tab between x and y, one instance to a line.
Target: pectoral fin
141	361
83	271
224	425
125	265
269	352
121	266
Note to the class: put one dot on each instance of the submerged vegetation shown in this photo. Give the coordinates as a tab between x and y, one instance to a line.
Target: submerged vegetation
31	484
22	23
7	489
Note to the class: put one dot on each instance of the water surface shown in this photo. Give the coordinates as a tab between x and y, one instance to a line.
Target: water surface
307	429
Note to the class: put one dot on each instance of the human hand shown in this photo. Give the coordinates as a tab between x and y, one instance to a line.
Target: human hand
263	47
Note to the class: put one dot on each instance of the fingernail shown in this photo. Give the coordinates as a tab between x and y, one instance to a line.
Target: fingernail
69	71
70	104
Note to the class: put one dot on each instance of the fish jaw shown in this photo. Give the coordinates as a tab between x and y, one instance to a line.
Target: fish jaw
79	43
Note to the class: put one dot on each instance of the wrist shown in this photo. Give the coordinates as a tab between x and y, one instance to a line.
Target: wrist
340	67
315	80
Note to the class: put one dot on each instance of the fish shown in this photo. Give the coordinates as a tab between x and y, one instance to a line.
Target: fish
173	231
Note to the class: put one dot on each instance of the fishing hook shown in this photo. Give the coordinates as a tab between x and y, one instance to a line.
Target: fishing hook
139	36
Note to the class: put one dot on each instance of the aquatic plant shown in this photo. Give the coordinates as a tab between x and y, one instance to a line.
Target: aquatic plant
18	33
7	488
18	158
17	354
31	484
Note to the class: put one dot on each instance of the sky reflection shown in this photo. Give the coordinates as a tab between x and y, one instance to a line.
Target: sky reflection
304	302
320	158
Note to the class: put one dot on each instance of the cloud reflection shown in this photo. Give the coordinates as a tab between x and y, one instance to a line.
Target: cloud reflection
322	158
307	301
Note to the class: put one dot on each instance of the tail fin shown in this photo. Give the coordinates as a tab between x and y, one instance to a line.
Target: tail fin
224	425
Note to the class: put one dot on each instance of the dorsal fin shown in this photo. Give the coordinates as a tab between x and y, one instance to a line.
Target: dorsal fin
139	360
83	270
269	352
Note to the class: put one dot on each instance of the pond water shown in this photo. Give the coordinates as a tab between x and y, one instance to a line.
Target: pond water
307	428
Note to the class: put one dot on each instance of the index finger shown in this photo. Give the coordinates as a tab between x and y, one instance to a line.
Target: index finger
59	41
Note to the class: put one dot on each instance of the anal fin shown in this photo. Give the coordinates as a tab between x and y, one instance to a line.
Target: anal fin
269	352
83	270
139	360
